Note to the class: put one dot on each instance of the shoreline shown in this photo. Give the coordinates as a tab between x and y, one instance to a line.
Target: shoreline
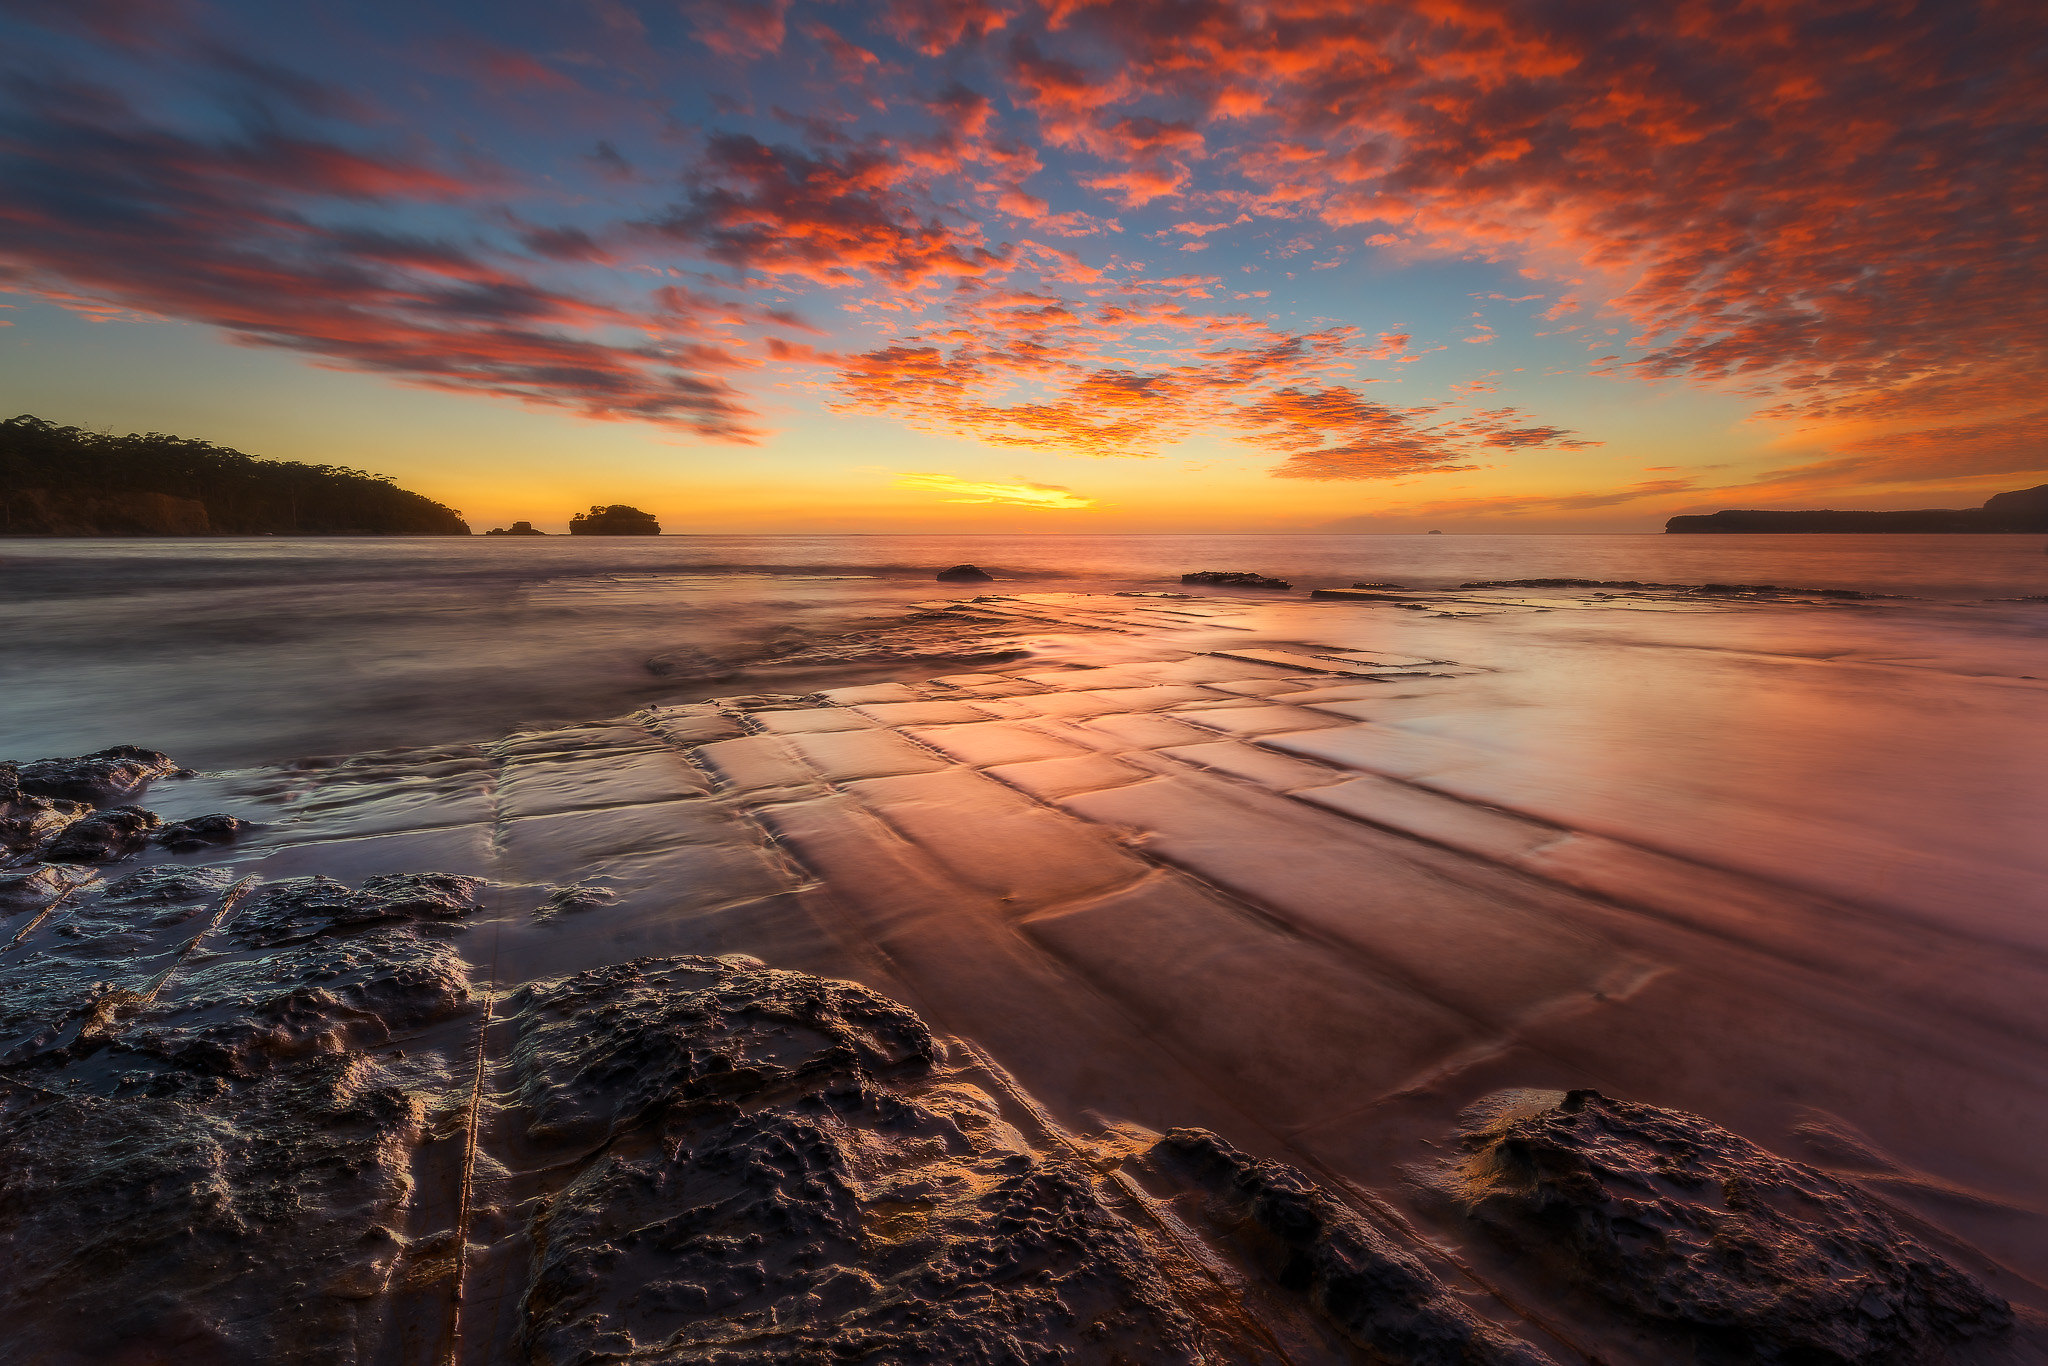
1270	870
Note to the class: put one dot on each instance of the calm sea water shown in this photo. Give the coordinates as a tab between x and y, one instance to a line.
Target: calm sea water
253	650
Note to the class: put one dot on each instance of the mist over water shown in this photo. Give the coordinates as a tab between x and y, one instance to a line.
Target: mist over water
264	649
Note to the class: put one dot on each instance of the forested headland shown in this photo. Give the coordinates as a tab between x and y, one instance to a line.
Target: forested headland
66	481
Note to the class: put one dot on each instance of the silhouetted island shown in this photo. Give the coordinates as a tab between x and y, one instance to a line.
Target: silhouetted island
615	520
63	481
2023	510
516	529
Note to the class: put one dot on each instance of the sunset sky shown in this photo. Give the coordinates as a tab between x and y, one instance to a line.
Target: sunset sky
1140	265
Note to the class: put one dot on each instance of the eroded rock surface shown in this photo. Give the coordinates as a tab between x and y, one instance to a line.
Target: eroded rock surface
1682	1221
204	1162
103	837
29	891
232	1222
788	1181
107	775
167	885
301	907
26	819
1380	1296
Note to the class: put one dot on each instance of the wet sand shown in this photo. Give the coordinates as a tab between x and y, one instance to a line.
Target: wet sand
1316	877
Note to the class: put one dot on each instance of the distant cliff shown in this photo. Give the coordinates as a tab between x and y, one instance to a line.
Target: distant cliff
61	481
2022	510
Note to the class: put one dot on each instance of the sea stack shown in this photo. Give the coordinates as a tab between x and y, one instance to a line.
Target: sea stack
615	519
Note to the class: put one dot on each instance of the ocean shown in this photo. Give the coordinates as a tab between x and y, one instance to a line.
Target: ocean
230	652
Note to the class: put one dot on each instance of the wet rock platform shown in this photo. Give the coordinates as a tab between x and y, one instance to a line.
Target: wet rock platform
1172	995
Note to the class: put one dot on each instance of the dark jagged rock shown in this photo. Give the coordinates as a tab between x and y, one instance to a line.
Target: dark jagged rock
166	885
105	776
1375	1293
29	891
172	895
1222	578
201	832
964	573
1375	585
516	529
602	1049
301	907
241	1220
217	1171
785	1181
615	519
102	837
328	994
27	820
1684	1222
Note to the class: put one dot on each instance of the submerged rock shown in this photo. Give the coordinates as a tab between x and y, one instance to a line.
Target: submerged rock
102	837
201	832
1682	1221
104	776
575	898
301	907
1221	578
964	573
1378	1295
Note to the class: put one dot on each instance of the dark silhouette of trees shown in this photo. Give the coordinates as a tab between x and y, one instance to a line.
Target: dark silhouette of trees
52	474
614	520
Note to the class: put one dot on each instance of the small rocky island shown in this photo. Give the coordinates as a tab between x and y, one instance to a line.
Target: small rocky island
615	519
2023	510
516	529
65	481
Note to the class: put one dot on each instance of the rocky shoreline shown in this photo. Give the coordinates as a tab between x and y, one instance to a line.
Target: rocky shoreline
551	1052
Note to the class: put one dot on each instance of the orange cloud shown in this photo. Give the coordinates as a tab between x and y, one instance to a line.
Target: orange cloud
1833	202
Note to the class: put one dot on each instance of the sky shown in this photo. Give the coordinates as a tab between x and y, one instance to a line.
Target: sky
1012	265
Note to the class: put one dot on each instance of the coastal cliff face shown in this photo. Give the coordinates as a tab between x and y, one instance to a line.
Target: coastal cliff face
2023	510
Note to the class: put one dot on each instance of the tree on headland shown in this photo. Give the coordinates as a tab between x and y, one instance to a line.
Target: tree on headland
67	481
615	519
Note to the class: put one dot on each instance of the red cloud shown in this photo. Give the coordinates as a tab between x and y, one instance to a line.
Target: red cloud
1838	200
829	218
1014	367
221	232
933	26
739	28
